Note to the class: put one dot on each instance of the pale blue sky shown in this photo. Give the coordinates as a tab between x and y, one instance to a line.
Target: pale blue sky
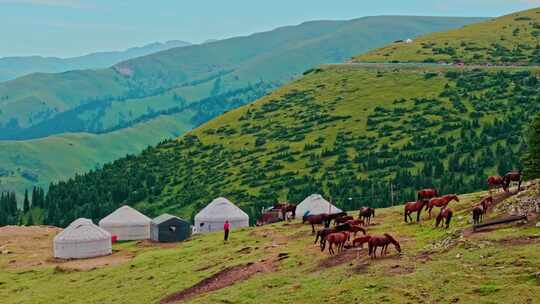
76	27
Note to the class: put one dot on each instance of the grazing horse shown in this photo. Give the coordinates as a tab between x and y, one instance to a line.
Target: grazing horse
322	234
414	207
361	241
514	176
316	220
481	208
445	214
343	219
286	208
356	222
383	242
337	238
426	194
496	182
442	201
366	213
356	229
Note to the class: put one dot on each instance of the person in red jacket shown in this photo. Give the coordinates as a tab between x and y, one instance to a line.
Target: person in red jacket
226	227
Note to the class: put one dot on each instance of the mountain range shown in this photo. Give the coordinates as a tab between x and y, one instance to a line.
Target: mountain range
14	67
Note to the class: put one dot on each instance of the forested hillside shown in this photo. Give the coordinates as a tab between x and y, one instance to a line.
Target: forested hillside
358	134
94	101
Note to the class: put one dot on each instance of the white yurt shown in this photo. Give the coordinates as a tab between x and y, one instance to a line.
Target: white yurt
213	216
82	239
316	204
127	224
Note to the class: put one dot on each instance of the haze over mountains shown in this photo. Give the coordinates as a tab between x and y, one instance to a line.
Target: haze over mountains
167	93
13	67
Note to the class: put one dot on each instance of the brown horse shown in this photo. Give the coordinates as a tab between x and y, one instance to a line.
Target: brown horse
426	194
496	182
356	222
356	229
343	219
414	207
318	219
326	231
383	242
442	201
445	214
366	213
361	241
286	208
514	176
339	239
481	208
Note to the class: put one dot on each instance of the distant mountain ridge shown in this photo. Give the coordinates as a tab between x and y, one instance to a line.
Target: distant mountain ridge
17	66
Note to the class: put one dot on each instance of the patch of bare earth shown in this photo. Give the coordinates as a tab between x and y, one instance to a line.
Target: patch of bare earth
116	258
222	279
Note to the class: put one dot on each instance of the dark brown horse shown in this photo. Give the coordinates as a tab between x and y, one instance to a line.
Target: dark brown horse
383	242
442	201
355	229
514	176
426	194
495	182
319	219
361	241
445	214
366	213
343	219
286	208
326	231
356	222
414	207
339	239
481	208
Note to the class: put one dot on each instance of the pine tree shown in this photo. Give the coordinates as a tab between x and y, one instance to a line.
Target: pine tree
30	221
26	203
532	160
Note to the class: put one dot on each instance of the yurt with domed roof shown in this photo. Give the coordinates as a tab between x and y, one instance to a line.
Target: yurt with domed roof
213	216
316	204
127	224
82	239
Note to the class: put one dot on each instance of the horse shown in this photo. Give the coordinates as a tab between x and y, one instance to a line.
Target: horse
343	219
442	201
326	231
356	222
286	208
366	213
514	176
361	241
337	238
495	181
333	216
426	194
356	229
414	207
445	214
383	242
481	208
317	219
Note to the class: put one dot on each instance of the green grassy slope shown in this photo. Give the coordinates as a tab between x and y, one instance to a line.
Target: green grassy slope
512	39
436	266
30	105
13	67
38	162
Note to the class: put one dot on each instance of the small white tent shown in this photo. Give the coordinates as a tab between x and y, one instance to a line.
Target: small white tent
213	216
127	224
82	239
316	204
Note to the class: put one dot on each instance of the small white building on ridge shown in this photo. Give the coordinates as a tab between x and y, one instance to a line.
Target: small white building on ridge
316	204
127	224
82	239
213	216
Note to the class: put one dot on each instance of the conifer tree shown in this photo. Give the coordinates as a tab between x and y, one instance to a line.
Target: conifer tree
26	203
532	161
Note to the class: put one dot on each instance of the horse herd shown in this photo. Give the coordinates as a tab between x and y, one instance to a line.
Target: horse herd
346	225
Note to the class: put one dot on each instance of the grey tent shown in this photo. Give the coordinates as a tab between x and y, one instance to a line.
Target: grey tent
169	228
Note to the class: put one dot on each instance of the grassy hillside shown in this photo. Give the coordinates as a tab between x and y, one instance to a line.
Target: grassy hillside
512	39
38	162
436	266
13	67
44	104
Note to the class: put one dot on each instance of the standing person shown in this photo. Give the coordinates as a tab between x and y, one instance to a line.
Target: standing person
226	227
